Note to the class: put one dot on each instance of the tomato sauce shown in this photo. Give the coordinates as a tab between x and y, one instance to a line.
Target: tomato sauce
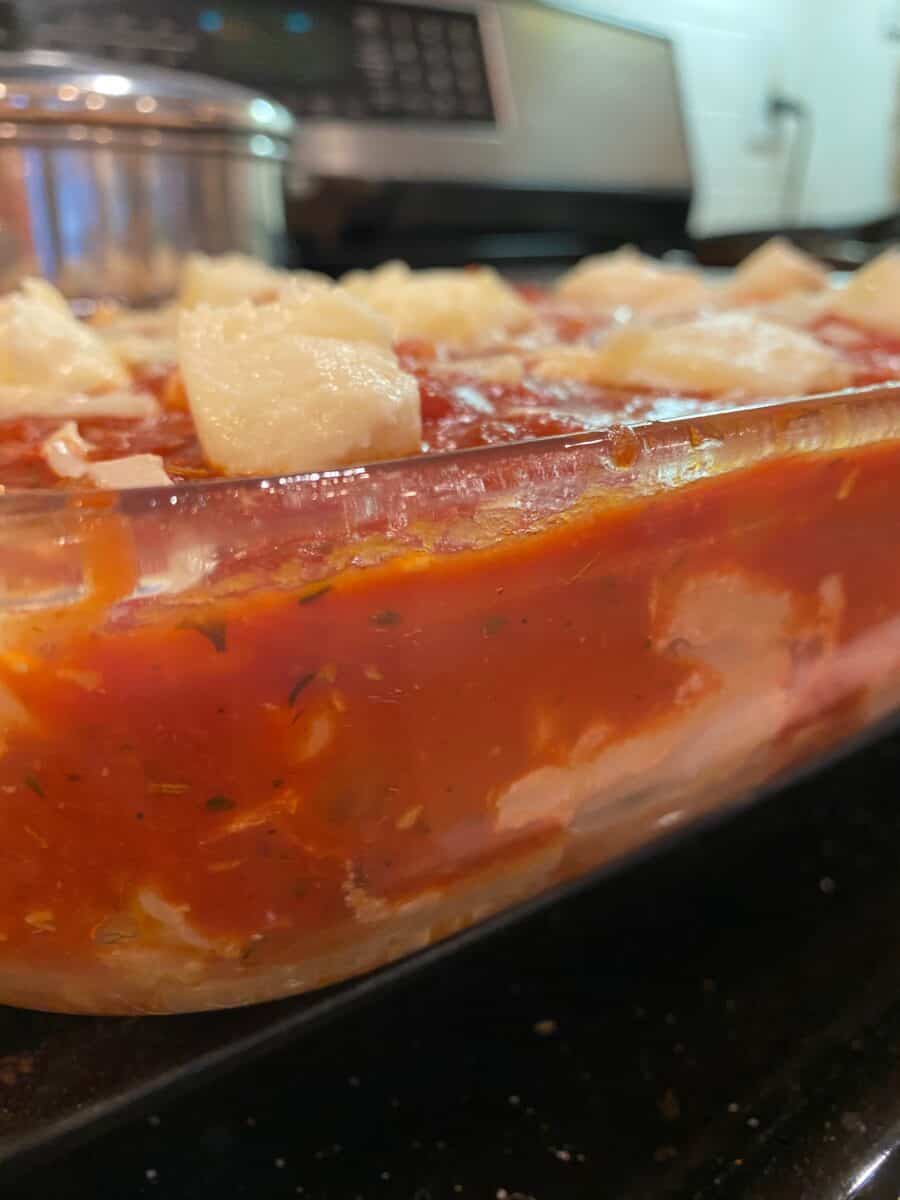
199	798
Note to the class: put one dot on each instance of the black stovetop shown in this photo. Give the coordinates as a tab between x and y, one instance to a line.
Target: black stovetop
723	1021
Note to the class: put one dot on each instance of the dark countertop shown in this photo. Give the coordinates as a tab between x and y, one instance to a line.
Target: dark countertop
722	1021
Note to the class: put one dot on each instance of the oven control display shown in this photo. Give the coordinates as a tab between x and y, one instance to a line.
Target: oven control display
325	59
421	62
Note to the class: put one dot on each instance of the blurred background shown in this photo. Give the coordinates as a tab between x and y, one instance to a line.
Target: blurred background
837	67
526	132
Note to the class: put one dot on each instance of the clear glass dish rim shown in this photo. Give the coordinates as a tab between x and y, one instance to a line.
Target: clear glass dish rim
658	435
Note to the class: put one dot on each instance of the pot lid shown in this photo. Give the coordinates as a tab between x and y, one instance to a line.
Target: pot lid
48	86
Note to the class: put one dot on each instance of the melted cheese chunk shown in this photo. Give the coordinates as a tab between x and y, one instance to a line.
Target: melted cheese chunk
309	381
230	278
872	297
627	279
47	350
494	368
31	402
774	269
798	309
734	354
143	338
65	451
43	292
227	279
455	307
132	471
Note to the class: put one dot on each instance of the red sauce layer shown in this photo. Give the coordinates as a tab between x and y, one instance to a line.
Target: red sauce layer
273	762
283	762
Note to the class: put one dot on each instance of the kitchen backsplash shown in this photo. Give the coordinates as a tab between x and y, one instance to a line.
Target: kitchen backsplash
832	56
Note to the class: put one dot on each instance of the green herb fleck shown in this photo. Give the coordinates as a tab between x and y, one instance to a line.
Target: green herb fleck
492	626
31	782
214	632
303	682
386	617
277	783
316	595
219	804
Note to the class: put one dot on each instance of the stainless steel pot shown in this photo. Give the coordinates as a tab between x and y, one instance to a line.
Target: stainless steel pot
110	173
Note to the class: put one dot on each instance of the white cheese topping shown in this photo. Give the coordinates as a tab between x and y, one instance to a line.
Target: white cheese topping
872	297
727	354
227	279
28	402
135	470
140	337
45	348
626	279
492	368
798	309
306	382
458	307
230	278
65	452
774	269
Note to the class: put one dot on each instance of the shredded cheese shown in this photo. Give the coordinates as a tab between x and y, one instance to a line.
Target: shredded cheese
65	451
135	470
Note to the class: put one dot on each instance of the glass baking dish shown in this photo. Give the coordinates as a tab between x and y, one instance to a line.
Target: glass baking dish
262	735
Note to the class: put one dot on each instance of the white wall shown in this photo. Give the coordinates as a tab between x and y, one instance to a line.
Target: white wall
839	59
831	54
